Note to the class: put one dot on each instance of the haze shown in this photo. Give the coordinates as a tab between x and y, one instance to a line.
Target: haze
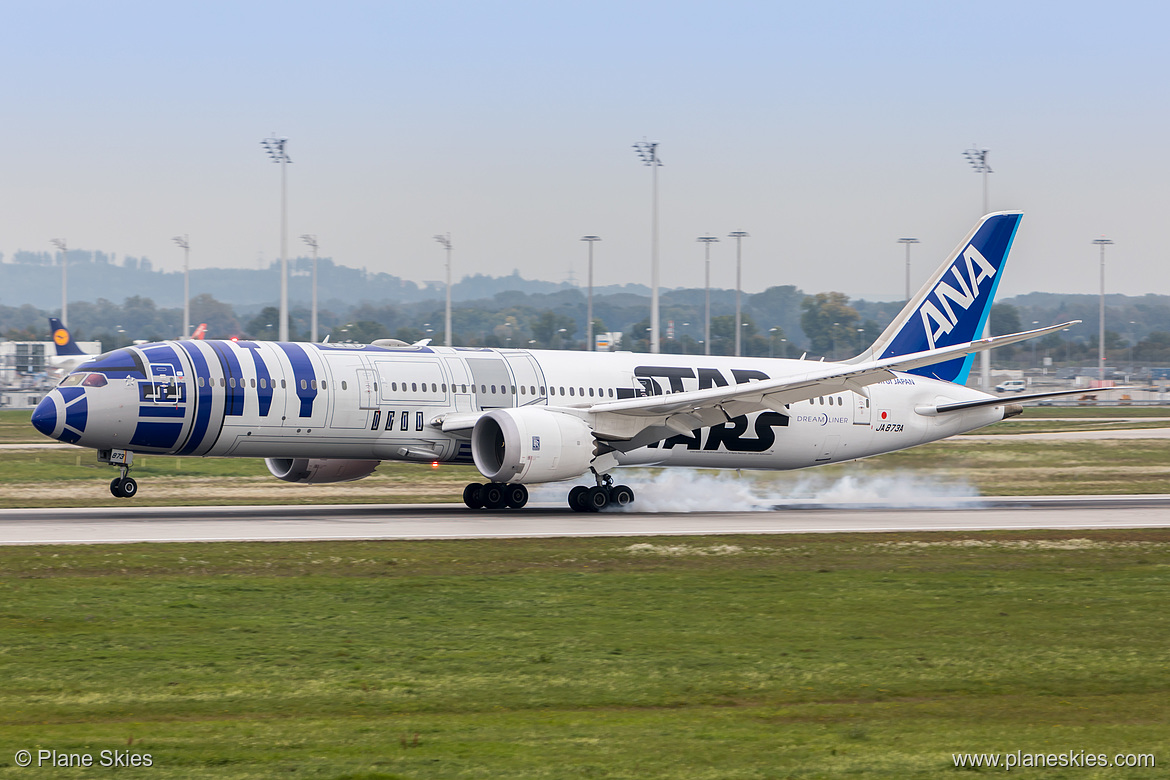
827	131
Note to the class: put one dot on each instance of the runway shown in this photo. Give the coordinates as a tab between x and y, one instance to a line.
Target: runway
449	521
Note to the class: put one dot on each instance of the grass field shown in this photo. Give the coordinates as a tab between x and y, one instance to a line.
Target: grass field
741	657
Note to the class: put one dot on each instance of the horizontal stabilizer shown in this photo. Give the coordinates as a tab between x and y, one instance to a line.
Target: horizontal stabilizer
1004	400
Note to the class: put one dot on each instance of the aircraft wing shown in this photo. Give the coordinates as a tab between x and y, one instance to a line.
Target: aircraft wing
683	412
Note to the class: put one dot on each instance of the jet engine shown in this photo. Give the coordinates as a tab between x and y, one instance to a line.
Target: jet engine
318	471
531	444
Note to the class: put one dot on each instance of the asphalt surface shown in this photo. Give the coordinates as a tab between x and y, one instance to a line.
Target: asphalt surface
448	521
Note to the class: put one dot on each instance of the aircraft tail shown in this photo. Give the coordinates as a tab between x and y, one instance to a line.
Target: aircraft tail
66	346
954	304
200	332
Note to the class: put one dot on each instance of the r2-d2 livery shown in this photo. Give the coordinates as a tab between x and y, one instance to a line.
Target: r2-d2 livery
320	413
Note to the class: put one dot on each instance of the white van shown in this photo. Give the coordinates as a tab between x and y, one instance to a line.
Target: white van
1012	386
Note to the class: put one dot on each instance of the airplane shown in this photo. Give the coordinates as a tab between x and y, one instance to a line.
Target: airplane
200	331
69	355
320	413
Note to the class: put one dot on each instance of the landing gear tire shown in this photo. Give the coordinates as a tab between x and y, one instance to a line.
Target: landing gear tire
621	496
116	487
494	496
596	499
129	488
473	496
516	496
576	498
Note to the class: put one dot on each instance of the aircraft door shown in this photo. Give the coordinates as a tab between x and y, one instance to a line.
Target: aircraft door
351	391
862	413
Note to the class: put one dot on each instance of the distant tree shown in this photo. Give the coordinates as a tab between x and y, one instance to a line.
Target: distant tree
829	323
265	326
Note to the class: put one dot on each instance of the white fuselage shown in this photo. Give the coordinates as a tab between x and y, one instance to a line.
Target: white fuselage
297	400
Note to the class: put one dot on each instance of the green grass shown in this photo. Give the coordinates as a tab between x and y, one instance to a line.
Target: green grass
739	657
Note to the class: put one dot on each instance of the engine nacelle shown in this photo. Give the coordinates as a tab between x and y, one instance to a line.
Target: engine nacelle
319	471
531	444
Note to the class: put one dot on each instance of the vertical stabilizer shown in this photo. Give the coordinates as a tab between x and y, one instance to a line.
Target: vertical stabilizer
66	346
954	304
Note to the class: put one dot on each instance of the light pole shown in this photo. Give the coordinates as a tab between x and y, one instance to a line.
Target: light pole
311	240
445	240
186	245
648	152
978	159
1101	242
275	148
589	345
739	236
60	244
707	240
908	242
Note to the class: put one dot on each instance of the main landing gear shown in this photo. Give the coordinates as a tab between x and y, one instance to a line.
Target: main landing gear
123	486
601	495
495	495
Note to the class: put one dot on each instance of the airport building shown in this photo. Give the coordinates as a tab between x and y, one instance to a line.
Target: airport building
26	370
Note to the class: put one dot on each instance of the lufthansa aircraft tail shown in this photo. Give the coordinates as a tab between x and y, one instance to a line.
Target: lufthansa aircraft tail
953	306
66	346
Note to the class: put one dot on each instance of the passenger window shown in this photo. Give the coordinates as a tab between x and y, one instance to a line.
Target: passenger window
434	389
444	386
263	383
252	382
533	389
304	385
232	382
830	400
344	385
414	387
483	389
611	392
493	389
591	392
570	391
513	389
322	384
465	388
283	386
522	390
393	386
313	384
201	381
542	389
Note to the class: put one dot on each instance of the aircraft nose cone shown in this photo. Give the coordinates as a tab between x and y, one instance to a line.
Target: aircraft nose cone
44	417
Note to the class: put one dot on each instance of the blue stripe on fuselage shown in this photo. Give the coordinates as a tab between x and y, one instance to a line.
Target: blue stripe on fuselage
202	400
263	378
303	376
234	396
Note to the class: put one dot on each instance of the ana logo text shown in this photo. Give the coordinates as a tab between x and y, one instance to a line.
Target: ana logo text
939	322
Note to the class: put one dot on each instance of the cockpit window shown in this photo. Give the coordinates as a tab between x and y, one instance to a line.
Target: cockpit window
85	380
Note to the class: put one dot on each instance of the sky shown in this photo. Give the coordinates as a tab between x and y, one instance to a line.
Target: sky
825	130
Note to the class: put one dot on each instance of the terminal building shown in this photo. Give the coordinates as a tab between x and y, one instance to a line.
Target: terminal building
27	371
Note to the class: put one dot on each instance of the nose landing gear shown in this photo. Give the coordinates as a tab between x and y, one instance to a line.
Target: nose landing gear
123	486
601	495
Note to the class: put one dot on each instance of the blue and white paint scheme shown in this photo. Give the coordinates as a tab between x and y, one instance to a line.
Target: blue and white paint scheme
332	412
